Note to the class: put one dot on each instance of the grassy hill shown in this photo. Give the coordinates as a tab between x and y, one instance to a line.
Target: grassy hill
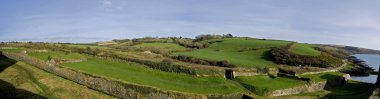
304	49
160	47
239	51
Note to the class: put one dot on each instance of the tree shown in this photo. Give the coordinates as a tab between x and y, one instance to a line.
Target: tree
50	58
229	35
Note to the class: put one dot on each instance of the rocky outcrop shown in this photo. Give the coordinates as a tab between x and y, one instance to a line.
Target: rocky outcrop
375	94
113	87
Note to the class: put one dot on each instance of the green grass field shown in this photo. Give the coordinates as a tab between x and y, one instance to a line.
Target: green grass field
304	49
240	52
16	50
86	45
163	46
45	55
262	84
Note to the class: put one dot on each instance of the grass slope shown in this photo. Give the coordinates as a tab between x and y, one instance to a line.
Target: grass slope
322	76
15	50
138	74
262	84
87	45
163	46
239	51
45	55
25	81
304	49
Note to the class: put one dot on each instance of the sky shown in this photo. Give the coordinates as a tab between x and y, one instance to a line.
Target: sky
342	22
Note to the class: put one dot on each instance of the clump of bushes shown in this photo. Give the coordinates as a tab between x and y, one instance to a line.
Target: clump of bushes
188	43
337	53
150	40
210	36
196	43
190	59
281	55
163	66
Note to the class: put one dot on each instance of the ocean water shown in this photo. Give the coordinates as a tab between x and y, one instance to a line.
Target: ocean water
371	60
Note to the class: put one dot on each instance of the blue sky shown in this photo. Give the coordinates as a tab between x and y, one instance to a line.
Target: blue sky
346	22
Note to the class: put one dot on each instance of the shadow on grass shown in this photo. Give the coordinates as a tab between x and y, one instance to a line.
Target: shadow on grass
5	62
329	76
267	56
7	90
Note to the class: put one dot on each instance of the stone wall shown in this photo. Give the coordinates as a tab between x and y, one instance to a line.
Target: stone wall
254	71
111	86
311	87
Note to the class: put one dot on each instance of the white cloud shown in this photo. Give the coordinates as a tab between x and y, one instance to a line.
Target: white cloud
113	5
107	2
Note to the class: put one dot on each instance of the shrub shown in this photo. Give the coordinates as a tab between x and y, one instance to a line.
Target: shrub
210	36
167	61
283	56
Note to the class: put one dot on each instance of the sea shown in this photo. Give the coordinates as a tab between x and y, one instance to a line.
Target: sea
371	60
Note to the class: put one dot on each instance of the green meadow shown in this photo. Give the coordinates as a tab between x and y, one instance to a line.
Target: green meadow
322	76
163	46
304	49
45	55
27	81
261	84
87	45
239	51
